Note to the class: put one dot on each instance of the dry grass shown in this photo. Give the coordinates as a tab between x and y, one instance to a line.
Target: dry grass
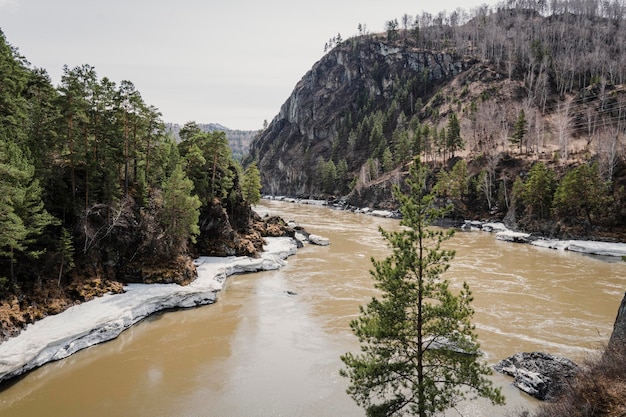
20	309
598	390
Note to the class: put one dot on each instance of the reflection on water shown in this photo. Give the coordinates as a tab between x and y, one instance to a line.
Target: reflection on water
261	351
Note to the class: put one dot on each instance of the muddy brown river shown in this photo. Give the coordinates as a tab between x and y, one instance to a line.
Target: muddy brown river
270	346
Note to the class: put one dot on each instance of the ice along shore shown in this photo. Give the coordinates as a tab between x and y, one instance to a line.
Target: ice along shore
104	318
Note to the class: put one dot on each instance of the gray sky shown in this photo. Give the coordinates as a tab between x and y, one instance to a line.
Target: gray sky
232	62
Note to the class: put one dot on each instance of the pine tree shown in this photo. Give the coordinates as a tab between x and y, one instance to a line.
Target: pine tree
582	193
519	130
65	248
180	213
251	187
387	160
208	161
342	175
329	177
23	217
454	142
539	189
454	185
419	353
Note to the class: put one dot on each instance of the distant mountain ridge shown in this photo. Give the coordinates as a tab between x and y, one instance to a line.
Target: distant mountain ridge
239	140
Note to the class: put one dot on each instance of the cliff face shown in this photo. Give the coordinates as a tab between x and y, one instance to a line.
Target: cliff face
315	121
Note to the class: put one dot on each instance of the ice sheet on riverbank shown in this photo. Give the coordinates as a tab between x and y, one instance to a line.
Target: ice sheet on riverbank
589	247
104	318
584	246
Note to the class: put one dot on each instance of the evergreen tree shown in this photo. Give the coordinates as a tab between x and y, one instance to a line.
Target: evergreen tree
23	217
539	189
251	187
189	130
387	160
419	350
76	84
329	177
454	142
65	249
454	185
180	213
13	80
392	29
208	161
402	144
520	128
342	175
582	193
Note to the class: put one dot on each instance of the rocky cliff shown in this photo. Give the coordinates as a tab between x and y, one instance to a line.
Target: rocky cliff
357	78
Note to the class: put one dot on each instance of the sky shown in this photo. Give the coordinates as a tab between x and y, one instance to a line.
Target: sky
232	62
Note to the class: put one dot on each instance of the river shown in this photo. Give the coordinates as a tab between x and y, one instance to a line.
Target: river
270	346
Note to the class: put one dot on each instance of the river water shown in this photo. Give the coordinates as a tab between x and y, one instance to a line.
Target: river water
270	346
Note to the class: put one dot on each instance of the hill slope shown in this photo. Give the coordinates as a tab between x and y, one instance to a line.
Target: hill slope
503	90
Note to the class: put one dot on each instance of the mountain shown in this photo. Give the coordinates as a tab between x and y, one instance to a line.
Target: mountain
344	108
239	140
501	88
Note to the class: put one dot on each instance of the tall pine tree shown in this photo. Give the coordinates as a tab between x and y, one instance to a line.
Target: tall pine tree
419	353
23	217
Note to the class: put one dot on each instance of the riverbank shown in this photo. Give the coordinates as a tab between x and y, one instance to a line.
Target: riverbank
501	231
104	318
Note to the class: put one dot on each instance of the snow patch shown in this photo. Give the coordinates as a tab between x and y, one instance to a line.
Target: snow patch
104	318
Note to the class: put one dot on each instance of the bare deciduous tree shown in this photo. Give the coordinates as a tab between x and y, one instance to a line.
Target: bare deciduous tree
562	124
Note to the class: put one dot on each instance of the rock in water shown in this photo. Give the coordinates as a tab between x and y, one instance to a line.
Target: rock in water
538	374
318	240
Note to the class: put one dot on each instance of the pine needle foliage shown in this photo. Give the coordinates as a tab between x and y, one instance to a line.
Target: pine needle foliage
419	352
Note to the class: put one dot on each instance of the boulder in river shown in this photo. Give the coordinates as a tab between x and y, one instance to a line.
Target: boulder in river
538	374
319	240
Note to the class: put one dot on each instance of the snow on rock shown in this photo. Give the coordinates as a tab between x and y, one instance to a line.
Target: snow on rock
584	246
511	236
381	213
319	240
494	227
104	318
551	244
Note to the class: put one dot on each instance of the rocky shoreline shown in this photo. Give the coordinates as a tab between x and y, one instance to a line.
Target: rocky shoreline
538	374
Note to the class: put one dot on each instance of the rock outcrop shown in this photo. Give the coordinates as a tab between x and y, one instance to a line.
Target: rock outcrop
361	73
538	374
618	337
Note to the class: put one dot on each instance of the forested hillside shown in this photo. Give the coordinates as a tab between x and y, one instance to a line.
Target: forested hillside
95	194
527	95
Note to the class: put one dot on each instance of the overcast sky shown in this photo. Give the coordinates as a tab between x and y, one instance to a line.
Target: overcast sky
232	62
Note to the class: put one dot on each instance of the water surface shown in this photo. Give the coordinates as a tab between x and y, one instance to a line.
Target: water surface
261	351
